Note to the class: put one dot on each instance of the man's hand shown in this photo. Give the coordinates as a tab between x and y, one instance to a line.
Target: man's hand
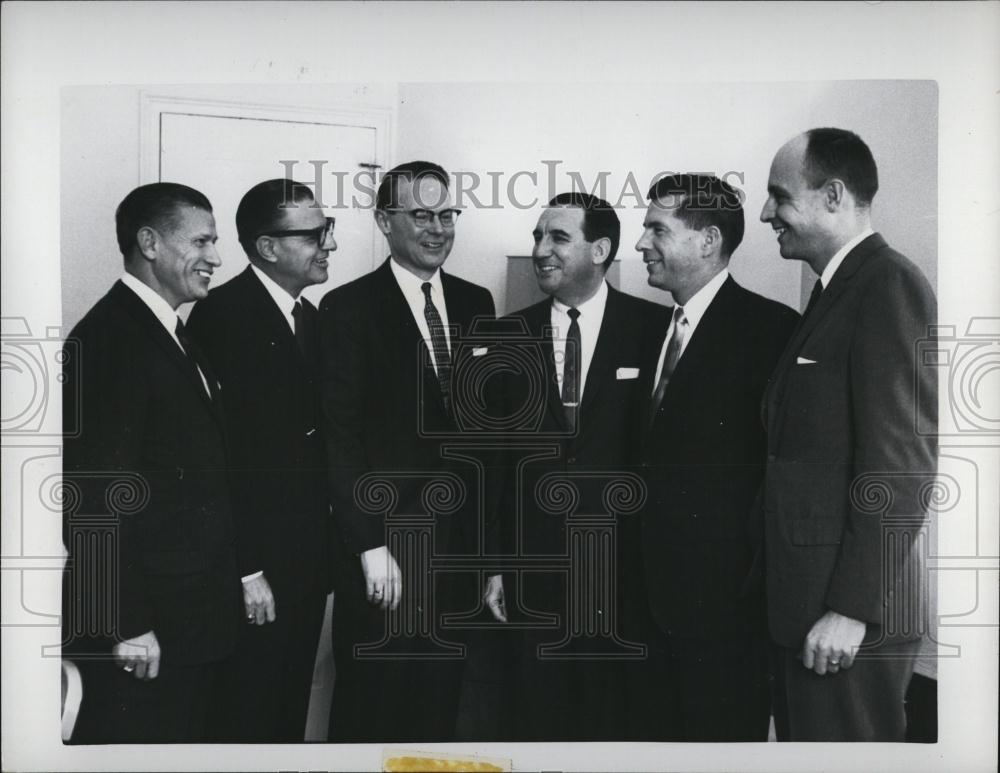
139	656
383	580
493	597
258	601
832	643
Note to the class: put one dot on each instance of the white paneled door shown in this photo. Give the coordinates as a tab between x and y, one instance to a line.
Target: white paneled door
224	156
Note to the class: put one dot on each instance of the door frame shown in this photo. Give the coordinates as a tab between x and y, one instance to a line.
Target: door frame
152	106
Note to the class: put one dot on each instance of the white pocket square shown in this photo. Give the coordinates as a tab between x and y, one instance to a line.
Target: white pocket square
479	351
627	373
804	361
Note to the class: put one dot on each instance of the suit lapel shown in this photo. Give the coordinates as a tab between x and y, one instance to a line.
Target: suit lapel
827	301
604	353
539	321
270	320
404	339
145	318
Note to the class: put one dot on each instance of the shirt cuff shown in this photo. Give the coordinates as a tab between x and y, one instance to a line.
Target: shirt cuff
253	576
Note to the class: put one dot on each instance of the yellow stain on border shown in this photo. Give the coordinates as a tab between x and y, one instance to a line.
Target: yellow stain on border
397	761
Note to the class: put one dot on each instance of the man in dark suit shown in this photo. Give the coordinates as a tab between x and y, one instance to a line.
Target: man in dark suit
389	342
150	420
847	470
258	333
703	459
587	340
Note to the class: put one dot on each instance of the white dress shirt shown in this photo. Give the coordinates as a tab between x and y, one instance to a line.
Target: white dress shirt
838	258
282	298
412	287
694	310
590	319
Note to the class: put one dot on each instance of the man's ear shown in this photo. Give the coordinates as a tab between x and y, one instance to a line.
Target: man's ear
600	250
382	221
711	240
265	248
834	194
148	241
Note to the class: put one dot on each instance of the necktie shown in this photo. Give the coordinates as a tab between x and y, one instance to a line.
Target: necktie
439	345
814	298
670	360
571	370
303	331
189	352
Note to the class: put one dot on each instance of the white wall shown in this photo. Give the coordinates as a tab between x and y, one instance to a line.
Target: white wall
654	127
100	164
505	128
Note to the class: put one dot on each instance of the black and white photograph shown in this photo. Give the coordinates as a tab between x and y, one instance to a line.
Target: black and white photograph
500	386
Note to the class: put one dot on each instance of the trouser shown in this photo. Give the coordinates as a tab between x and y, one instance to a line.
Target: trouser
262	691
862	703
118	708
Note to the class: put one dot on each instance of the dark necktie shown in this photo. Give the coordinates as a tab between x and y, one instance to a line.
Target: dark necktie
303	331
670	360
571	370
439	345
189	351
814	298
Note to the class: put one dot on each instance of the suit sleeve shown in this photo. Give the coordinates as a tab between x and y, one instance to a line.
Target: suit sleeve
891	395
345	392
111	412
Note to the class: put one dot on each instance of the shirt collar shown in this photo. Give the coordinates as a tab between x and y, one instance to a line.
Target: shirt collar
281	296
156	302
838	258
592	308
698	303
411	283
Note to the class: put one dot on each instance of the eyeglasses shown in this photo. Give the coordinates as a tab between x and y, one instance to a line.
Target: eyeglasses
319	235
423	217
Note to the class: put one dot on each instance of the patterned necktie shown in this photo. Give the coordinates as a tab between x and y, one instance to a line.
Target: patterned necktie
439	345
670	360
189	352
571	370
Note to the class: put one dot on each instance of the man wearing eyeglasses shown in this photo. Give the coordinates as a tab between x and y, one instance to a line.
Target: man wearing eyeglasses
258	332
389	340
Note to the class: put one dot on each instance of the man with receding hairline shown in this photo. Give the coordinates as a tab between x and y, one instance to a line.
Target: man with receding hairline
842	412
258	331
149	405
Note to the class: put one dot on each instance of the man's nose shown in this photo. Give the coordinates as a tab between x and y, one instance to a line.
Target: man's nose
213	256
643	243
435	225
767	212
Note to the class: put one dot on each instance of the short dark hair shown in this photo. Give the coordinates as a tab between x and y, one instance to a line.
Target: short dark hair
156	205
262	209
388	190
842	154
599	219
706	201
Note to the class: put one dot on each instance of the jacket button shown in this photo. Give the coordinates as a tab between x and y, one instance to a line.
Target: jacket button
772	457
571	460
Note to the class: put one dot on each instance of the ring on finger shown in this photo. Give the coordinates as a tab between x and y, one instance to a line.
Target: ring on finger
129	668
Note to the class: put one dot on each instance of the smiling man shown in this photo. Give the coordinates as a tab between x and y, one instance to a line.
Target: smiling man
587	338
842	411
389	340
703	460
151	428
258	332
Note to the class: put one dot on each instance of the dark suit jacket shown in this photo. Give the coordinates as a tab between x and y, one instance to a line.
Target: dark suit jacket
850	412
602	443
703	461
382	403
143	409
272	411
